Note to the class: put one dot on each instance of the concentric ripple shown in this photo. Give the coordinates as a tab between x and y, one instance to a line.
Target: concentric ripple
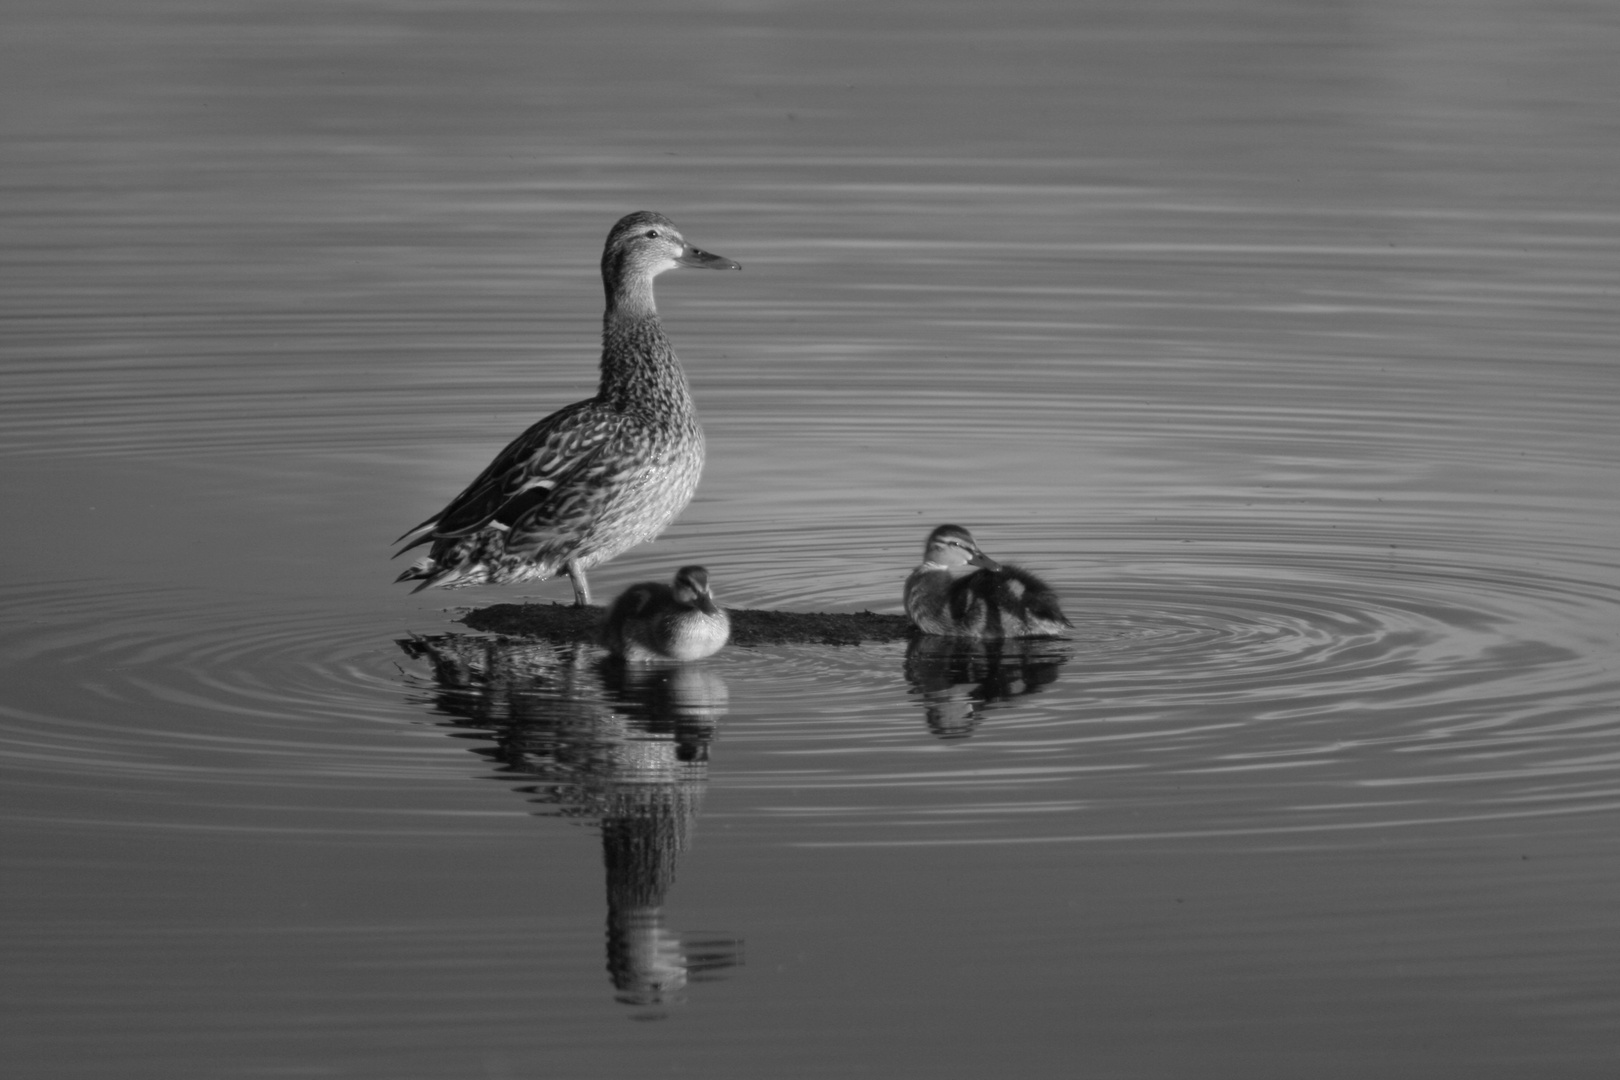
1235	690
1321	692
207	711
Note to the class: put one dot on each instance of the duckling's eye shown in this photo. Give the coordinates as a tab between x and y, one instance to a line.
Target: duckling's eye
652	234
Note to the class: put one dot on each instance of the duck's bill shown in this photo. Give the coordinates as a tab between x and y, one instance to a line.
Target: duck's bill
691	256
981	559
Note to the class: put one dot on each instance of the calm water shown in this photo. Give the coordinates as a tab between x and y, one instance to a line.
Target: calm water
1280	337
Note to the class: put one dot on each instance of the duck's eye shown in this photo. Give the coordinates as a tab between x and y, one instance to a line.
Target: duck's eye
652	234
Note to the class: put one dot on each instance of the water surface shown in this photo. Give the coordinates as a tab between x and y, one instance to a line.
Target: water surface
1279	338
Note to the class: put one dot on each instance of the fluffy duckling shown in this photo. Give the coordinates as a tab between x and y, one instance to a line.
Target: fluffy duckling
654	621
599	476
959	591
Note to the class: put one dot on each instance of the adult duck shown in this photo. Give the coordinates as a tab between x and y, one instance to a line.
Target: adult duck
654	621
959	591
599	476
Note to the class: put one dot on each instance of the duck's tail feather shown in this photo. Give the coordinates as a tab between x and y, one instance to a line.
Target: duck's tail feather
425	538
432	575
414	529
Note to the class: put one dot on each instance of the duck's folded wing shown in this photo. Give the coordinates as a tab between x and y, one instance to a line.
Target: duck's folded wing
971	591
524	474
1034	595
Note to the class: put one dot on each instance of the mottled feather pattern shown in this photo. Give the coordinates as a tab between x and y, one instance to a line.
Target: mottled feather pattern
636	382
547	454
596	477
619	491
635	487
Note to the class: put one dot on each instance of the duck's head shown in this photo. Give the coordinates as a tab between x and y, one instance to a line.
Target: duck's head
642	246
692	587
952	545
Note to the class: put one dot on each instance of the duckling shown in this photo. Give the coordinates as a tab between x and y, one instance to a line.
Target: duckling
654	621
945	595
596	477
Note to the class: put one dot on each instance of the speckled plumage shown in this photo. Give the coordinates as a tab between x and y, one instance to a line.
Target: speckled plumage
959	591
654	621
596	477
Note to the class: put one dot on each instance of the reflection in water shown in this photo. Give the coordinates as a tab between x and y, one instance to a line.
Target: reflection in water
991	672
626	746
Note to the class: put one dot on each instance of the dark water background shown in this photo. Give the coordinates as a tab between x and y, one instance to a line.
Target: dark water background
1280	336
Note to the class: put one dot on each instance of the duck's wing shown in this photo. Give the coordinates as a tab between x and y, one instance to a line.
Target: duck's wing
525	474
633	605
967	596
636	600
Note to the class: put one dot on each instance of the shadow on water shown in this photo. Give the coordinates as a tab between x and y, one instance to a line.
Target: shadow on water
960	681
600	741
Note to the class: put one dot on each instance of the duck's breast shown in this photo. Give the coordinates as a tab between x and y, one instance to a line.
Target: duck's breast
692	635
643	490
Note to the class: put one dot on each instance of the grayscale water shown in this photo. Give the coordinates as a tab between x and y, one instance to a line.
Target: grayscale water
1282	338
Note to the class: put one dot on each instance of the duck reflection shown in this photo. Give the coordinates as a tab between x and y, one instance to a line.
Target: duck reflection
625	746
960	680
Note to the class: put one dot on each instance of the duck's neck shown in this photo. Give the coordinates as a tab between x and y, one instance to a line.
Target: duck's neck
639	370
629	294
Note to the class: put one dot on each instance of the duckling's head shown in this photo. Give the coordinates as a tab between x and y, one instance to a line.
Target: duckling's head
952	545
692	587
642	246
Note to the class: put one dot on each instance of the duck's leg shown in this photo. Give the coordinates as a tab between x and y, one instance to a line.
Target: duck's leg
582	589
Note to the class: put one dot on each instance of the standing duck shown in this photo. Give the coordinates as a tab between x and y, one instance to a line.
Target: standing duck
598	476
959	591
654	621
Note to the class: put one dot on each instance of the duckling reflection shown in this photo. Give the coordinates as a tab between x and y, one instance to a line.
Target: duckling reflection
959	681
647	822
624	746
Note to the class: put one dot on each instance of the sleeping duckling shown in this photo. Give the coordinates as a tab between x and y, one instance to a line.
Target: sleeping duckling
959	591
654	621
